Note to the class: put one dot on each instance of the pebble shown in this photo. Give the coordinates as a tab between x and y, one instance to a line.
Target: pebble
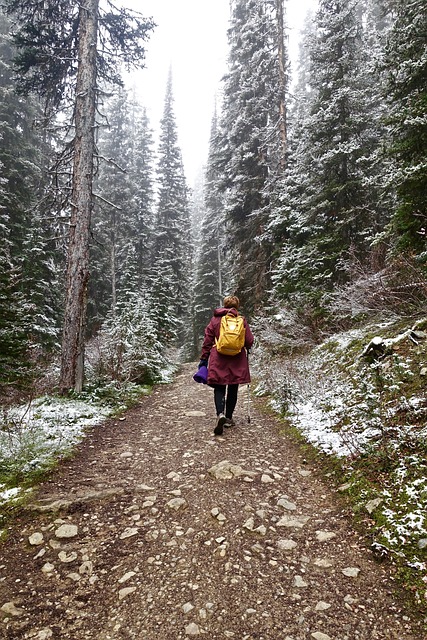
226	470
48	567
295	522
318	635
55	544
323	563
373	504
86	568
262	530
75	577
325	536
266	479
351	572
127	576
289	506
176	503
125	592
10	609
66	531
192	629
322	606
286	545
67	557
128	533
300	582
187	607
36	539
173	475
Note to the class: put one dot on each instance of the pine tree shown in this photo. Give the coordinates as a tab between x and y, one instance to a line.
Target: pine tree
209	273
19	149
330	203
253	124
111	220
65	48
31	249
15	325
172	243
123	220
130	348
142	193
406	63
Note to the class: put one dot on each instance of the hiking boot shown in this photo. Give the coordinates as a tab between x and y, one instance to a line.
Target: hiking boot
220	424
229	423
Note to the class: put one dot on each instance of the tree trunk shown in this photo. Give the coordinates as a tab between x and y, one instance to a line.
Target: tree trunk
73	339
113	262
219	269
282	85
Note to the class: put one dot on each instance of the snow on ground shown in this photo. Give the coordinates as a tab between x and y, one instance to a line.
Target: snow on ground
34	435
350	407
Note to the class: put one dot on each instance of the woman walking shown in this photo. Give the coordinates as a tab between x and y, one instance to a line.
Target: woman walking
225	372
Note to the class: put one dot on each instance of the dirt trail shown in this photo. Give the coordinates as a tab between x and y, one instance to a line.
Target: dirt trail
137	538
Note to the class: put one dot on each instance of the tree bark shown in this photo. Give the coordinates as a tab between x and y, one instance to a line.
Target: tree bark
73	339
113	261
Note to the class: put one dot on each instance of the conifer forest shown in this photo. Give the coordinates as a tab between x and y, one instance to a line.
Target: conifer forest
312	209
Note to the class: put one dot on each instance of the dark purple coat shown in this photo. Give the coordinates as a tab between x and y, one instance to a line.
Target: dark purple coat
225	369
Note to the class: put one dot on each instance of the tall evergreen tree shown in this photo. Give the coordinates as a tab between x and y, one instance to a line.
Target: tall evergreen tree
172	244
330	203
19	149
123	220
65	48
252	125
15	325
406	63
112	215
209	272
142	194
31	248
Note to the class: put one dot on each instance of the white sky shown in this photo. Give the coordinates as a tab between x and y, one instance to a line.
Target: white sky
191	38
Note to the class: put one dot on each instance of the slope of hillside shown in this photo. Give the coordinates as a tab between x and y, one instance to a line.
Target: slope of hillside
360	399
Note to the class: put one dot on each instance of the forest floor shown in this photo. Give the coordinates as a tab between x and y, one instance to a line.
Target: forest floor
156	529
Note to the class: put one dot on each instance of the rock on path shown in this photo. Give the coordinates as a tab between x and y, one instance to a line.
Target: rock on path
158	530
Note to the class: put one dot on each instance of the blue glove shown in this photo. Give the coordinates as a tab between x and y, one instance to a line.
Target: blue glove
203	363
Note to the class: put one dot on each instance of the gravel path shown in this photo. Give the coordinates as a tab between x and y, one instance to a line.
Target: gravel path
158	530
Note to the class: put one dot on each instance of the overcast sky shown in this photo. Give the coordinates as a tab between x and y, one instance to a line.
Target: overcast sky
191	38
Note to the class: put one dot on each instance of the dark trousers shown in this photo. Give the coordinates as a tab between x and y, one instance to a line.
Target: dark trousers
222	402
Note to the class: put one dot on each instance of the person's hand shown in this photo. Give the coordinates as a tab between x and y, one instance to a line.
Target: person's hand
202	363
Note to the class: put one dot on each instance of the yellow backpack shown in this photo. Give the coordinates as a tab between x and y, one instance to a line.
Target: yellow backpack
231	335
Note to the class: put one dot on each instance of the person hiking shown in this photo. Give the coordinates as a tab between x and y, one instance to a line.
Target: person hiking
226	372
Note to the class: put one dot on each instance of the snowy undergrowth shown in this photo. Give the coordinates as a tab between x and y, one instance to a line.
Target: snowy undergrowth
35	436
361	397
